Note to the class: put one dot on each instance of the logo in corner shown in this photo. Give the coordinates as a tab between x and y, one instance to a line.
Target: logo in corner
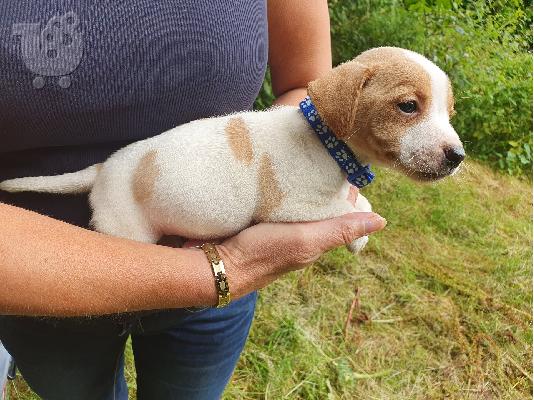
55	51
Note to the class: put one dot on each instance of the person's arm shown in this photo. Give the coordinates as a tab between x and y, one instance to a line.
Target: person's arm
51	268
48	267
299	46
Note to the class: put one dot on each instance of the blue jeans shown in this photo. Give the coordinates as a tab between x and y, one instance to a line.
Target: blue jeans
179	354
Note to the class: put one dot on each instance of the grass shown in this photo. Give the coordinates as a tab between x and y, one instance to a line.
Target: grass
442	311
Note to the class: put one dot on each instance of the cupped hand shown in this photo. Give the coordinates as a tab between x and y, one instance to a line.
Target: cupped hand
262	253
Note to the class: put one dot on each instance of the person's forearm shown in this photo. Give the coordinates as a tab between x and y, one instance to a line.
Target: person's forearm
51	268
299	46
292	97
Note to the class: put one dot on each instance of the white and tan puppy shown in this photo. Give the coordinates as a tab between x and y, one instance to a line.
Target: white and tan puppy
214	177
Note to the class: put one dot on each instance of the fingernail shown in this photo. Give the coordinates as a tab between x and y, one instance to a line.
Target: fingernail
374	223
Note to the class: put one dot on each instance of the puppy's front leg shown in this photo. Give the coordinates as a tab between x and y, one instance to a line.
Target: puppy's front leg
361	205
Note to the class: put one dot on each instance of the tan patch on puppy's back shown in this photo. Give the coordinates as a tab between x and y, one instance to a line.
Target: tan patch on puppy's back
238	136
144	178
269	192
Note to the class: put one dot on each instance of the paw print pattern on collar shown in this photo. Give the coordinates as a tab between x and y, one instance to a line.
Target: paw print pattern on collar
357	174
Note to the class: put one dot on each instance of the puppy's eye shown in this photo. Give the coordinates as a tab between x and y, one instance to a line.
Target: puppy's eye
408	107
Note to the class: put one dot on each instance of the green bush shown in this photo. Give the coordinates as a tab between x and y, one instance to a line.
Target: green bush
483	46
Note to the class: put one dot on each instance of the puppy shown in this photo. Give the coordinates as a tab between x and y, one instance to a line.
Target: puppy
214	177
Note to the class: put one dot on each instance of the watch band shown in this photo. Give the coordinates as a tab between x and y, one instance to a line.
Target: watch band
221	281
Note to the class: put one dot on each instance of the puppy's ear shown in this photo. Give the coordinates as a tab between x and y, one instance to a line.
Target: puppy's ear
336	96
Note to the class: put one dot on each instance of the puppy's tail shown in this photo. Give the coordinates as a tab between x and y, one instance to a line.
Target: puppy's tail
75	182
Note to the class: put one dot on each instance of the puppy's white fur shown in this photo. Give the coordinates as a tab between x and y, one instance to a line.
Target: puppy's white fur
200	189
436	128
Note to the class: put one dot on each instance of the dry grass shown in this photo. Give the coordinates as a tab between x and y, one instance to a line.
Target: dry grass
444	308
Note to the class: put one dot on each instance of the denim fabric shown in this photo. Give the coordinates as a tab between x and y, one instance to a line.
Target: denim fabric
179	354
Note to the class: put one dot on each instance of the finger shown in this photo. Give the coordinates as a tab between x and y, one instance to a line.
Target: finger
347	228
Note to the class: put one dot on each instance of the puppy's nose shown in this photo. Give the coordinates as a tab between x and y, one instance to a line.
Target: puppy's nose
454	155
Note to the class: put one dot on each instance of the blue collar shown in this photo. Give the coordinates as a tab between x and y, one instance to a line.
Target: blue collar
357	174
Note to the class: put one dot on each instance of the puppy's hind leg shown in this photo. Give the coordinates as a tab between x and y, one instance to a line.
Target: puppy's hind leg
117	214
133	226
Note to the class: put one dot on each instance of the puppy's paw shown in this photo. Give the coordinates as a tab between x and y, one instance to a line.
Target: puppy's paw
357	245
362	204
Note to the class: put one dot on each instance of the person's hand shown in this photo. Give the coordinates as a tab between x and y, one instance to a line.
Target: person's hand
262	253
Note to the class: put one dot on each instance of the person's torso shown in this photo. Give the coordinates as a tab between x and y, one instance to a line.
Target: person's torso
80	79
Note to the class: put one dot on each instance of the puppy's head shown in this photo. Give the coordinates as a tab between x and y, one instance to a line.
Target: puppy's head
392	106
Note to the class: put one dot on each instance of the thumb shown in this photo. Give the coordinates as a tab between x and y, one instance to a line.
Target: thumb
349	227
